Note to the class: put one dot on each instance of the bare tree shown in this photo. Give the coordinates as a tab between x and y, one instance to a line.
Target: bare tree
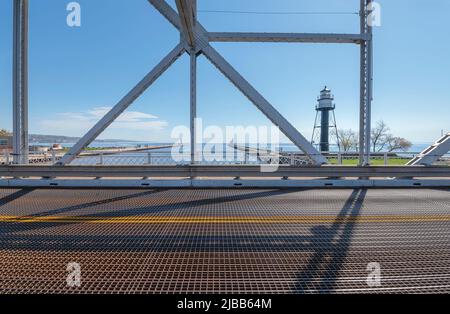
348	140
394	143
383	139
379	136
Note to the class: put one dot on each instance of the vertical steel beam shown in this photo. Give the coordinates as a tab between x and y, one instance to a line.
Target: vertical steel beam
20	82
369	79
366	84
193	73
193	104
16	86
369	94
361	145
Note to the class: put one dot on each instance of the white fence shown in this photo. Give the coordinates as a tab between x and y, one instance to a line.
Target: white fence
219	158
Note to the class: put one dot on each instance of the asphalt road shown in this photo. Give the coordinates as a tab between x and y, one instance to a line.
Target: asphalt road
225	241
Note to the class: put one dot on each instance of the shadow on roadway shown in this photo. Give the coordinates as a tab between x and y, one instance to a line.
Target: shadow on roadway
331	245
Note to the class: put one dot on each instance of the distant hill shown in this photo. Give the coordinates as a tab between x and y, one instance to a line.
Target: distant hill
39	138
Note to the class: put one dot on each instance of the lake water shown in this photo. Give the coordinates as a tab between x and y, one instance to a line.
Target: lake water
283	147
211	154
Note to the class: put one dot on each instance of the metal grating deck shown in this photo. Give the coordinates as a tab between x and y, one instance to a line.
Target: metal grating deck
225	241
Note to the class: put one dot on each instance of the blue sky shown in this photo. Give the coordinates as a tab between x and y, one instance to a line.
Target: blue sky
77	73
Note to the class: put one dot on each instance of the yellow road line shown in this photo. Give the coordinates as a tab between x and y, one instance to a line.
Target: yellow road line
226	220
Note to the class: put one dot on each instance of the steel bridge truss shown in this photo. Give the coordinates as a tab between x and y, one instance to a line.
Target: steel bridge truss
432	153
196	40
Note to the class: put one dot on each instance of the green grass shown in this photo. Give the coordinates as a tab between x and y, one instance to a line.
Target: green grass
374	162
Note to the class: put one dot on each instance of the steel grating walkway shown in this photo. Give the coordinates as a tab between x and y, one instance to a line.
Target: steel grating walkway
225	241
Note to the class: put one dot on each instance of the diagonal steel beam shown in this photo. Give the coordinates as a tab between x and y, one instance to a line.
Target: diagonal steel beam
199	32
167	11
263	105
123	104
286	37
187	20
432	153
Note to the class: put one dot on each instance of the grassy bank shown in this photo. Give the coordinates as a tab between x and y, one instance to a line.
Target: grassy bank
374	162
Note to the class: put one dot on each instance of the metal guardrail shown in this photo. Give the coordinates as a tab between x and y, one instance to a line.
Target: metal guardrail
223	158
222	171
166	158
241	158
379	158
34	158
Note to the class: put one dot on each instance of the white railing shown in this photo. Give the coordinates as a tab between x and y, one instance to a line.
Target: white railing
221	158
165	158
378	158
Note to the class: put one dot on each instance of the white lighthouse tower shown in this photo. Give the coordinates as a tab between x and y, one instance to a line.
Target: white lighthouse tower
326	121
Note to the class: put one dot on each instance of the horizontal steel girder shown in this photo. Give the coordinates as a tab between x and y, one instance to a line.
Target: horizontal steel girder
222	171
286	37
223	183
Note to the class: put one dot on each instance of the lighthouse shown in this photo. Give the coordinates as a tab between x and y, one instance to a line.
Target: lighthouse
325	121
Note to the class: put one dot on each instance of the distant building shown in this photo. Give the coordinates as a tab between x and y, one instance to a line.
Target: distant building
56	147
5	143
39	149
5	140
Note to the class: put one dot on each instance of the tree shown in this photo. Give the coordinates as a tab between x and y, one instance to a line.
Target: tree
383	139
397	143
348	140
379	136
4	132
